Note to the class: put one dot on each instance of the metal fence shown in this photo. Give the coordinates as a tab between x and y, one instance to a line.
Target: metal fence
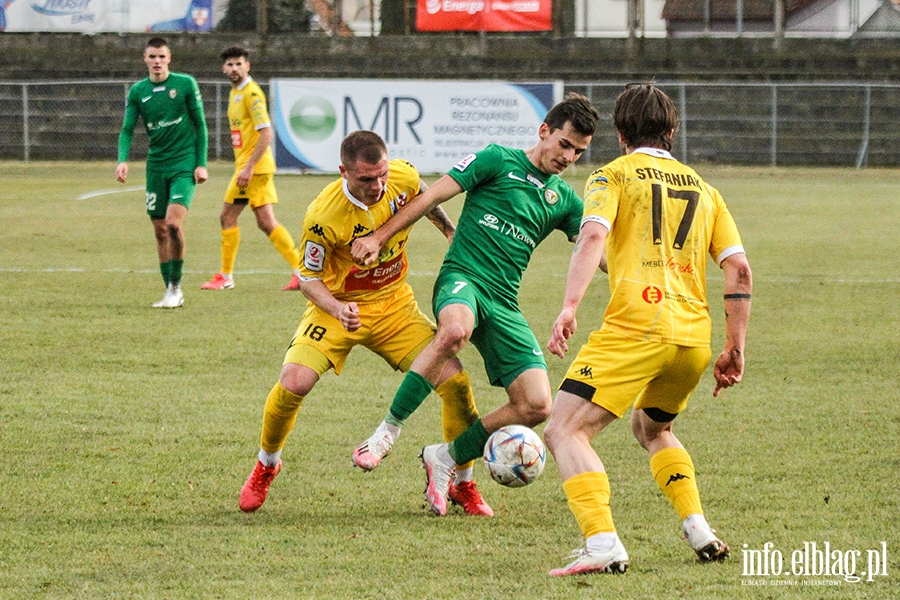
777	124
81	120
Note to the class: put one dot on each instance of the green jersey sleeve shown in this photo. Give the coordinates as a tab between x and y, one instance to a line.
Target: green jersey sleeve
128	123
196	113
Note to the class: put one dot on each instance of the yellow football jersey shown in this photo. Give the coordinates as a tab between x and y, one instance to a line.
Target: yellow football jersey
335	218
663	221
247	114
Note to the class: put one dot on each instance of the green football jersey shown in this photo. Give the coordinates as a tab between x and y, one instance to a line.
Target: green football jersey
172	112
510	208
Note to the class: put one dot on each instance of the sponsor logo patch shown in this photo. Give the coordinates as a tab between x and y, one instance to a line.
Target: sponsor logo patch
464	163
376	277
314	256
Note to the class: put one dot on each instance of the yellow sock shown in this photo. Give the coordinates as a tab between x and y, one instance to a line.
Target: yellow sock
457	408
673	471
279	417
588	495
231	239
284	243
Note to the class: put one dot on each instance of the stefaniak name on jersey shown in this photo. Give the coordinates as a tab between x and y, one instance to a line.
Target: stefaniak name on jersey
679	179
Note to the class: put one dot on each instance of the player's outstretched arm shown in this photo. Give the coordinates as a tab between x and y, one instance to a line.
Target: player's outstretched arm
590	248
317	293
365	249
729	366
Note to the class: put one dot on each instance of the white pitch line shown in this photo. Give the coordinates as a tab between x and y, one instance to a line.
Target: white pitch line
94	194
416	273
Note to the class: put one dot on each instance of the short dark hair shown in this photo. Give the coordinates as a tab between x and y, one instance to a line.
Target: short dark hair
645	116
363	145
577	110
157	42
234	52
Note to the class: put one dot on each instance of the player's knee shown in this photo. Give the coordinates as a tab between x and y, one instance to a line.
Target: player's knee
649	424
451	339
535	411
553	435
297	379
173	228
161	234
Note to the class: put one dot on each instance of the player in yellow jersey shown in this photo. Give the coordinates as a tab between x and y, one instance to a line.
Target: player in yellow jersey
651	222
254	168
350	305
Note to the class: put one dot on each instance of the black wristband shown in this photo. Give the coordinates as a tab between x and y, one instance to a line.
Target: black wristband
737	296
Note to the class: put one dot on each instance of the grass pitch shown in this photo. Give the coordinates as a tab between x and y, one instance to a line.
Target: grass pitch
127	432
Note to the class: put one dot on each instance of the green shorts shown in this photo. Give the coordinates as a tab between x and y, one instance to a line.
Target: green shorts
168	188
501	335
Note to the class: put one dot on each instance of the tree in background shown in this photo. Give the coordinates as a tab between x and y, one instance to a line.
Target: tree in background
284	16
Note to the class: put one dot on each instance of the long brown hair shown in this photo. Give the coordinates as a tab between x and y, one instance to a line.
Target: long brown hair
645	116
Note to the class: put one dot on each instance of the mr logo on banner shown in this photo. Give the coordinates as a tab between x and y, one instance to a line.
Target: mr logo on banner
432	124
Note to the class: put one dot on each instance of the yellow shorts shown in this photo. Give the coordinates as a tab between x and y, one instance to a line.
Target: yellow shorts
260	191
394	329
615	372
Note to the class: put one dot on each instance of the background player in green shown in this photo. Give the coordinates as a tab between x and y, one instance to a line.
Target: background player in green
515	199
171	108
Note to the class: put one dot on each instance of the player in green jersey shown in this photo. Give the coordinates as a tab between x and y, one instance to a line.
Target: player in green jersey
171	108
515	199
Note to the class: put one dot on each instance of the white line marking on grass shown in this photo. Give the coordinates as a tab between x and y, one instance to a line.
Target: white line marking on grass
96	193
414	273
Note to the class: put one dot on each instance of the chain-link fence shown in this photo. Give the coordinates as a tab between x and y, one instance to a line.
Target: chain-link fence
778	124
81	120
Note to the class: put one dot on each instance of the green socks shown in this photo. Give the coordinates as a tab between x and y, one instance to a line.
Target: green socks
410	396
470	444
177	268
171	271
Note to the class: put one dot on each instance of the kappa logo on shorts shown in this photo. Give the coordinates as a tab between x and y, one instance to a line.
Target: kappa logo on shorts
586	372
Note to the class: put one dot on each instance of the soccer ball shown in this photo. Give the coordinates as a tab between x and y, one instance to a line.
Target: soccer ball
514	456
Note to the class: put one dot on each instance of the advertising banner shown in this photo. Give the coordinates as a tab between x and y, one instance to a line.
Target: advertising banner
98	16
432	124
484	15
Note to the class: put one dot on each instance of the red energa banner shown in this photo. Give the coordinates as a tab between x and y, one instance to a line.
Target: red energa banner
483	15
